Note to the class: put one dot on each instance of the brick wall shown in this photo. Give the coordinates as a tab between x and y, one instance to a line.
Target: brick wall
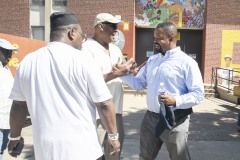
87	10
15	17
220	15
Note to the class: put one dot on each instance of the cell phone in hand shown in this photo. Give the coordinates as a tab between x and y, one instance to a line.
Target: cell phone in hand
18	149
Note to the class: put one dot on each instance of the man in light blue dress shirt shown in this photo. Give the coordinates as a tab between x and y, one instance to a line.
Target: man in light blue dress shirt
183	81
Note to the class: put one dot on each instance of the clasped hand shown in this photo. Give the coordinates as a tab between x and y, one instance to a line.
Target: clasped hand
15	147
167	99
115	146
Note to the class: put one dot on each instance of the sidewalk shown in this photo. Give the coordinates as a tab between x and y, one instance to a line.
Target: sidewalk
212	136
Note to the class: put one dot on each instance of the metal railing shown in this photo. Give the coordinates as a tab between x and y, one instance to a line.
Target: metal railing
229	78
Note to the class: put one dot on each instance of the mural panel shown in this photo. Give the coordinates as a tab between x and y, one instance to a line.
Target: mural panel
183	13
230	41
230	67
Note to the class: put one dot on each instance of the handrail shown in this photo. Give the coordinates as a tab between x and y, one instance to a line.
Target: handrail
229	77
213	74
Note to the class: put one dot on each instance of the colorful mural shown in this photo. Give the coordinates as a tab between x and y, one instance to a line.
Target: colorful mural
183	13
230	43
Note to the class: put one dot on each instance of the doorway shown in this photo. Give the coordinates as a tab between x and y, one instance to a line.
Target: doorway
190	42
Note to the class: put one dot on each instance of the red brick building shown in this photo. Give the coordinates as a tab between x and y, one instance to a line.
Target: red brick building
220	16
219	35
15	17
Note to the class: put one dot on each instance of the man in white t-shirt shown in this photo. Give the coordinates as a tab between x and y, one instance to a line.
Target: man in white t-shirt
227	72
6	82
106	55
61	88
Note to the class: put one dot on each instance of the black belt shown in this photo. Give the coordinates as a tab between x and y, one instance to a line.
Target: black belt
179	113
157	115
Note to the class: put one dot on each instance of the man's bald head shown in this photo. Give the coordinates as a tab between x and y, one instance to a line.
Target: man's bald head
169	29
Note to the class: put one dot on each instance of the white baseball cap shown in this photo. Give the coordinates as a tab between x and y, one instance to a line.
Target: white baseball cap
7	45
106	17
227	56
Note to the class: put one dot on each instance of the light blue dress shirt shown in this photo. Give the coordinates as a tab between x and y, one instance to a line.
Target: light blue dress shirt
180	75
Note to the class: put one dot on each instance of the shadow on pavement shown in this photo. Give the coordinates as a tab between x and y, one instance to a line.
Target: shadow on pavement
217	126
212	133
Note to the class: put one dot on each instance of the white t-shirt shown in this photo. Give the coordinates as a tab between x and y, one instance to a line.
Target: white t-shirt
227	73
105	60
60	84
6	82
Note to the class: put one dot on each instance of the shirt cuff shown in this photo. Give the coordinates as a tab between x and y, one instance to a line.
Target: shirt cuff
178	101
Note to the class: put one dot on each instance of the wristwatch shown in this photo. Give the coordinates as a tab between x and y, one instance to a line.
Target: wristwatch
113	136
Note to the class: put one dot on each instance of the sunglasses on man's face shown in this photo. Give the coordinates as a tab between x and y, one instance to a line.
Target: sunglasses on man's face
112	25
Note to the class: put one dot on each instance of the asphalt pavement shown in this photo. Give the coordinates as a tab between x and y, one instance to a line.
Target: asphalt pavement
212	133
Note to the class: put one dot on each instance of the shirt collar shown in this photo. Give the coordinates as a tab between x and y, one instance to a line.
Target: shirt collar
171	53
100	46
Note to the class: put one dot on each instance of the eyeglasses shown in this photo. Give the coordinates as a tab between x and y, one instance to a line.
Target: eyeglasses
113	25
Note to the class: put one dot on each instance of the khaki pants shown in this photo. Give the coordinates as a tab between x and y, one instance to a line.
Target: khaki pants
104	138
174	139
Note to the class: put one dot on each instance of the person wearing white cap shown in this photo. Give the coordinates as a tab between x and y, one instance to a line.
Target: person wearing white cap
227	72
106	55
62	97
6	82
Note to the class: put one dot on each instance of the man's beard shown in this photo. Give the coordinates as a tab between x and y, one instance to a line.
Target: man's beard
159	50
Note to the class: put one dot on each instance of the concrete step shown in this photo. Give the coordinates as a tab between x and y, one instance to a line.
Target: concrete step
208	86
209	91
209	95
128	90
